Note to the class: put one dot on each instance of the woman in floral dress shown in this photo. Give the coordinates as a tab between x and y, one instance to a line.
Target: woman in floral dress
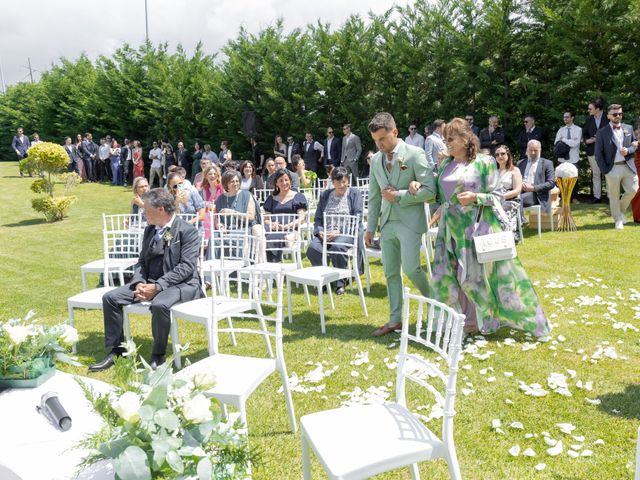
504	296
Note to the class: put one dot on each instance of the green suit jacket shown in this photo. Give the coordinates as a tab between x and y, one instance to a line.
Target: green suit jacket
411	164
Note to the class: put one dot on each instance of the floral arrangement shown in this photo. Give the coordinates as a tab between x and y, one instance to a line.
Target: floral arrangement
566	170
28	348
159	426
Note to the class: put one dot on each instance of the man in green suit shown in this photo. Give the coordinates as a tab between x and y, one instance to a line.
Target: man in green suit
401	214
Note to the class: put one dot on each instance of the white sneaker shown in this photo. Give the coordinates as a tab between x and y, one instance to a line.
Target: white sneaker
619	225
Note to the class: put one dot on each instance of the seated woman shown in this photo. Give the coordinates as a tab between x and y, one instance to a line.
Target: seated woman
339	200
283	200
241	202
510	183
249	181
307	177
187	201
140	187
269	169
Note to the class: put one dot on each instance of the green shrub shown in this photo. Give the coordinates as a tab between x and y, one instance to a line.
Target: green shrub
53	208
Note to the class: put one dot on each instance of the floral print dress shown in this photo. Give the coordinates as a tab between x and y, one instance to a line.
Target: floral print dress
503	296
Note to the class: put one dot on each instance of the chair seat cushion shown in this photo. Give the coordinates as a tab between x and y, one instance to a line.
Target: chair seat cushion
236	376
361	441
89	298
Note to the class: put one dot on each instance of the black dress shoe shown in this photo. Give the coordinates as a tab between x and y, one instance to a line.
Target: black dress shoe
156	361
340	291
108	362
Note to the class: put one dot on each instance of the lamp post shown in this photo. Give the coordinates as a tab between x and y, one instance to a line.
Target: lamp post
146	23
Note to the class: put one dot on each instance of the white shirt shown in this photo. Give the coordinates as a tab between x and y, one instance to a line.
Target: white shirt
329	140
104	151
416	140
618	136
395	154
571	135
530	171
156	162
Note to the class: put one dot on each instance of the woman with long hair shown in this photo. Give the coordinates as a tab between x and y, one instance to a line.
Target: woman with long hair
138	162
249	180
510	184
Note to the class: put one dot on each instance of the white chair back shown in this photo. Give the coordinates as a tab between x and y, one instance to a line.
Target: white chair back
323	184
191	218
438	328
261	194
283	233
346	231
229	237
122	239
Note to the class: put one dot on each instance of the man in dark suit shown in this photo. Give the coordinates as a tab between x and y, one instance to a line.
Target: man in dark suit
530	132
166	273
615	146
89	156
595	122
20	144
538	178
474	128
183	158
332	148
126	160
293	148
311	153
492	135
74	158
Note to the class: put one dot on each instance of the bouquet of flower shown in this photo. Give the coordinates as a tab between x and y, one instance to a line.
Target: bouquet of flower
566	178
159	427
28	348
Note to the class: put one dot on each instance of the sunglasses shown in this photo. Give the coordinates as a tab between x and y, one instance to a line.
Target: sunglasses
412	128
616	114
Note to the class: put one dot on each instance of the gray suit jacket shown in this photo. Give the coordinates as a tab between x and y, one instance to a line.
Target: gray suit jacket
351	149
432	146
543	182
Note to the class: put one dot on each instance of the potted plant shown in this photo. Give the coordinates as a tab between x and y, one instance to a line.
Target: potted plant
29	350
160	426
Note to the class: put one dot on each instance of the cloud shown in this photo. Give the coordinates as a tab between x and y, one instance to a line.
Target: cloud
45	31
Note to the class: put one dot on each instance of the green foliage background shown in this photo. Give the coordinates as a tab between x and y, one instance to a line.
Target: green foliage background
421	62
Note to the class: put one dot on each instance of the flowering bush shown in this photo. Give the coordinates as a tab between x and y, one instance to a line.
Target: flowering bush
28	348
161	427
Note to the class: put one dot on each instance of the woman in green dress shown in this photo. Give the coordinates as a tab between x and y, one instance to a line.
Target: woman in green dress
503	296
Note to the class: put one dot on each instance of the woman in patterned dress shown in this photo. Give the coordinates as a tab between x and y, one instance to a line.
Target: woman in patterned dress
503	296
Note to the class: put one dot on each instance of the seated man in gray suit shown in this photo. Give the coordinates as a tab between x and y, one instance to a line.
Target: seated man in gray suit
166	273
538	178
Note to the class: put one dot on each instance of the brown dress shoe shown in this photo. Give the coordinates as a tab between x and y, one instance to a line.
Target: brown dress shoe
387	329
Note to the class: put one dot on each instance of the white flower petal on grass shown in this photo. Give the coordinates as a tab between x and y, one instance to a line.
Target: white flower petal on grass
566	427
550	441
573	453
467	367
508	401
362	357
529	452
540	466
508	374
496	423
599	442
586	453
572	373
491	379
556	450
467	391
529	435
517	425
562	338
558	383
578	438
354	373
514	451
576	446
535	389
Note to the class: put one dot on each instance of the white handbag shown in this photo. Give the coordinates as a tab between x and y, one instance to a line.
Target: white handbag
494	246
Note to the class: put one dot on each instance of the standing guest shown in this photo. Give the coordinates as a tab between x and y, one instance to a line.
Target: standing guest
401	214
311	153
492	135
635	203
138	162
279	147
491	295
224	148
351	151
197	182
104	152
368	159
90	155
306	178
281	163
538	178
116	170
257	157
293	148
20	144
510	186
166	273
126	161
196	157
414	138
74	160
210	191
615	146
339	200
571	134
249	181
168	158
331	149
211	155
474	128
78	145
595	122
155	170
269	169
187	201
283	200
140	187
35	139
529	132
183	158
434	144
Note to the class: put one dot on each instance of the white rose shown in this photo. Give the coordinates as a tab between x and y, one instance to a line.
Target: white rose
127	406
204	379
198	409
69	334
17	334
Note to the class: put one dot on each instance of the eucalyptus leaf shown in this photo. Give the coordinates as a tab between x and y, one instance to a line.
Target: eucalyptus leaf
166	419
204	469
175	461
157	397
133	464
160	449
114	448
146	412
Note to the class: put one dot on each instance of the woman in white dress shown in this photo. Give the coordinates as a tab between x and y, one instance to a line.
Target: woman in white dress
510	183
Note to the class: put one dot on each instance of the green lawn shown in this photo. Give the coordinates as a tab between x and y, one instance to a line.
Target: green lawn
40	269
